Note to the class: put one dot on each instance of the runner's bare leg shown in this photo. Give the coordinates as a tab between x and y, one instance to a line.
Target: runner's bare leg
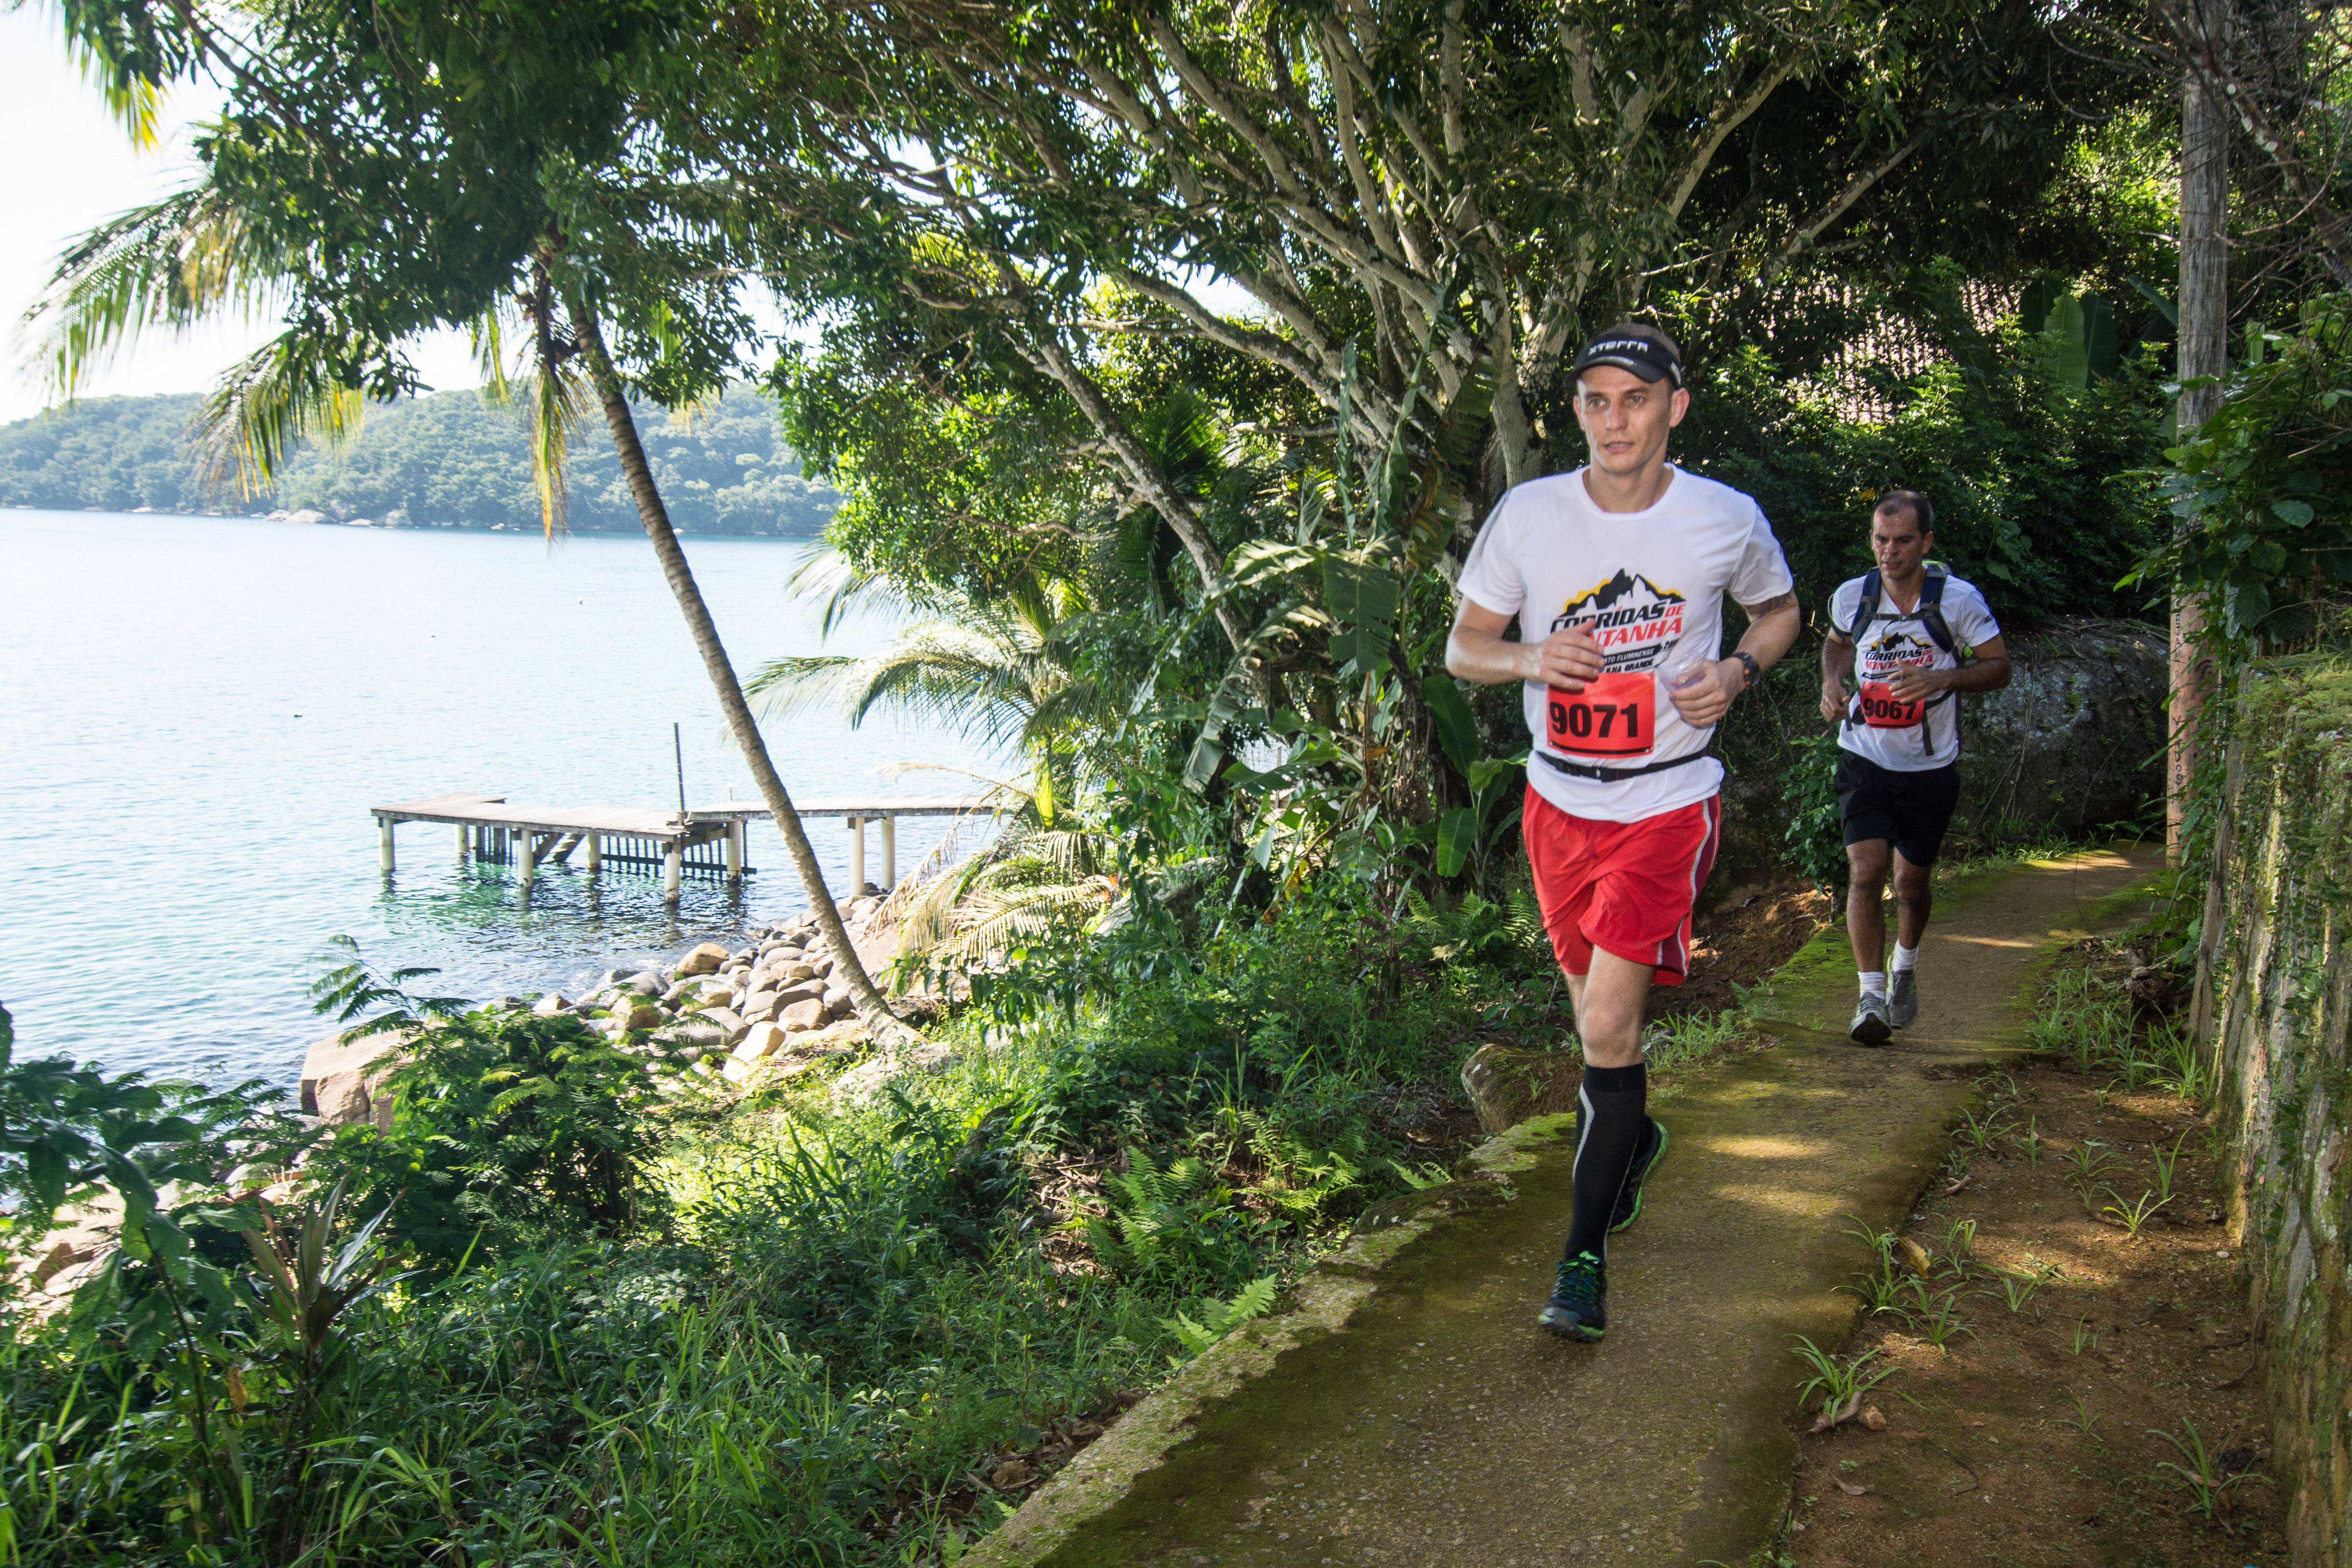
1915	895
1609	1009
1865	912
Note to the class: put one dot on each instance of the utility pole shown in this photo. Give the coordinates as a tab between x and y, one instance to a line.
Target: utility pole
2204	333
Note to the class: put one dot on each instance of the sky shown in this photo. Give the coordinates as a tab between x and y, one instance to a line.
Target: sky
72	167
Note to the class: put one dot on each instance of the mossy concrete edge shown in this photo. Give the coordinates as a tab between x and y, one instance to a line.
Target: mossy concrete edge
1322	1303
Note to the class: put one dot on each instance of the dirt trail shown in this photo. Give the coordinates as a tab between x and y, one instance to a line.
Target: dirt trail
1412	1413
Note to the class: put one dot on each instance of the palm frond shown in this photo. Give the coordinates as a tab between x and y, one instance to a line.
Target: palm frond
560	401
168	264
842	586
803	683
269	403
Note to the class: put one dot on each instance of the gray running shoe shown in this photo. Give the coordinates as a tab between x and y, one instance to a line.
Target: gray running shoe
1871	1026
1903	998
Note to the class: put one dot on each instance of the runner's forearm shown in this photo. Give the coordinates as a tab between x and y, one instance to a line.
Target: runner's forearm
1771	629
1490	659
1837	666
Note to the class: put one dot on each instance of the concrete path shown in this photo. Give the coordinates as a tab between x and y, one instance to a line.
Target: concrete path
1408	1412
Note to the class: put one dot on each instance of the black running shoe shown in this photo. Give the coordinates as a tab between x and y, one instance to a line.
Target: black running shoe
1578	1308
1645	1160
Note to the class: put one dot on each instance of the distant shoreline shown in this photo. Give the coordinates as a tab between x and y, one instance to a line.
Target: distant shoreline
393	526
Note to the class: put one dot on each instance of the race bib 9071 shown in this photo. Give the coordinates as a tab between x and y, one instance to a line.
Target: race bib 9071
1614	716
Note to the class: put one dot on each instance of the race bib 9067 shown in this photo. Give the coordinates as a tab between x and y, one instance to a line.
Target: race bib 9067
1614	716
1881	710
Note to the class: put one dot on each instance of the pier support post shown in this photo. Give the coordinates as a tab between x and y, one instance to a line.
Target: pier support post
889	853
673	868
465	843
856	856
735	851
595	844
527	859
384	843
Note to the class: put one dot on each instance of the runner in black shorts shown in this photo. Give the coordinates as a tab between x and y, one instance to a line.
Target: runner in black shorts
1910	635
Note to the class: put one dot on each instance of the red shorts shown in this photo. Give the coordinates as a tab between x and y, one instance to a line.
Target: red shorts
1624	887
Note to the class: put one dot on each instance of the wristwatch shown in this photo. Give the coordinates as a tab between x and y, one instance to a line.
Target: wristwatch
1748	662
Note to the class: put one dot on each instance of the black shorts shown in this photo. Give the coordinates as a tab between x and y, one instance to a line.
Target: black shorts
1910	810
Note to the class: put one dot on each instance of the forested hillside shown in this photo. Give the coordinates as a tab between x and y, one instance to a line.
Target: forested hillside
439	460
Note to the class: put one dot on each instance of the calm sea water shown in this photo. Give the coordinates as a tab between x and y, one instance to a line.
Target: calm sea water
196	714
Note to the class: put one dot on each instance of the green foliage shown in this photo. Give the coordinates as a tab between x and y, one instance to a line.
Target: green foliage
507	1128
2042	489
2259	488
1815	837
447	459
2199	1474
1182	1222
1840	1384
1217	1319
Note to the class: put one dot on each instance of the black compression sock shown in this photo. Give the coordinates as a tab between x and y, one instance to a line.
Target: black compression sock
1611	1112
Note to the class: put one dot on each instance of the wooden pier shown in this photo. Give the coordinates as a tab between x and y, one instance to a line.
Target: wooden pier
710	838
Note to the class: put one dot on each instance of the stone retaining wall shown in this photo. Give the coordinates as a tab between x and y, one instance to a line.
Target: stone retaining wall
2273	995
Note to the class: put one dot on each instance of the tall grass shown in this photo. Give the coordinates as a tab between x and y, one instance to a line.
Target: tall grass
812	1326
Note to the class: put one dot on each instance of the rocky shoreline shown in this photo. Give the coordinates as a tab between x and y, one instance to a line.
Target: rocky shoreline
772	1007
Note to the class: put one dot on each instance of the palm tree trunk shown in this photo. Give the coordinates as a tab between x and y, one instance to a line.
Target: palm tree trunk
886	1024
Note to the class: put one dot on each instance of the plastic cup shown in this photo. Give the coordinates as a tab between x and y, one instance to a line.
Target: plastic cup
1686	672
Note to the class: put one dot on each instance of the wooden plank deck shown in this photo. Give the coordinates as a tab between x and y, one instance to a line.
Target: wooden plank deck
707	838
652	822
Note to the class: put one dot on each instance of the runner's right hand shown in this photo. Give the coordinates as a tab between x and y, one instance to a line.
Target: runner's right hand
1834	704
1568	657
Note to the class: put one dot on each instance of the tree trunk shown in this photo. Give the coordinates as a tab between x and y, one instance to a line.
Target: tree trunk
656	517
2204	330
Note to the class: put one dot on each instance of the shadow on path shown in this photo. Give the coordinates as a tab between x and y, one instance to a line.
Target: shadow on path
1410	1412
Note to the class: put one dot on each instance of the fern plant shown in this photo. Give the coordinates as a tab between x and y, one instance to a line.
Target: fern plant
1172	1221
1217	1319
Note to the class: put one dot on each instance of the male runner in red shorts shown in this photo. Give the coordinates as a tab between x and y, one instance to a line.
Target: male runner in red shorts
1616	573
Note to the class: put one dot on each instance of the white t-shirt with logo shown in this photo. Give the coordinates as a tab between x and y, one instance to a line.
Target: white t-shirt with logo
1649	585
1906	737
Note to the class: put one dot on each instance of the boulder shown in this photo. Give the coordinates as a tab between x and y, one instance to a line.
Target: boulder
644	983
2075	742
798	969
836	997
761	1040
344	1083
637	1015
703	959
806	1014
1506	1086
806	991
759	1004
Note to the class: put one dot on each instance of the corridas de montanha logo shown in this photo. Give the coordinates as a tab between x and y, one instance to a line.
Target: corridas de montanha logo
1632	620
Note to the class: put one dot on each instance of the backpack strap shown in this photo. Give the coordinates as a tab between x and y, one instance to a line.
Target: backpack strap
1865	609
1931	608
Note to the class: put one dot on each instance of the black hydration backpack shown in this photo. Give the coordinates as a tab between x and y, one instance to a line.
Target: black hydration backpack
1931	617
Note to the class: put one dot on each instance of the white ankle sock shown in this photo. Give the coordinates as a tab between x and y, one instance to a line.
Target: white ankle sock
1874	982
1905	958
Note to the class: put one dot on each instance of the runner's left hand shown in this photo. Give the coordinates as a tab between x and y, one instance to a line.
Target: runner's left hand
1915	684
1703	701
